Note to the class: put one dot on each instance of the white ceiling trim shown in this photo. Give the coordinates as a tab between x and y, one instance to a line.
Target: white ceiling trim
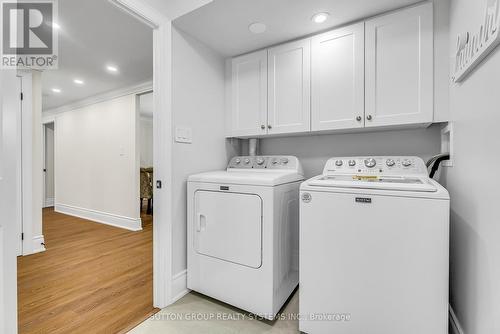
48	115
141	11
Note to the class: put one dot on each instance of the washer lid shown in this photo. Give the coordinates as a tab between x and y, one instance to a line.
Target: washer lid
256	177
418	184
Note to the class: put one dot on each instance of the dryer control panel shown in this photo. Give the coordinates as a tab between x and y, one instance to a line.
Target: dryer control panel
280	162
376	165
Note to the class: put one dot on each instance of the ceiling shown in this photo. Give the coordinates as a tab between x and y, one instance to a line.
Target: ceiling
175	8
93	34
223	24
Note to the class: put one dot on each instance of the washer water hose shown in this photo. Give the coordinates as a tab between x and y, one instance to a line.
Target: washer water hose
435	161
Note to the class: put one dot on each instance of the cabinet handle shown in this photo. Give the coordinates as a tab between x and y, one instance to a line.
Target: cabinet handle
358	118
269	127
263	127
369	117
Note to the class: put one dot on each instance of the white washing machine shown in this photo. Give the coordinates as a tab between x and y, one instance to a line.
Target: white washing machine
374	238
243	232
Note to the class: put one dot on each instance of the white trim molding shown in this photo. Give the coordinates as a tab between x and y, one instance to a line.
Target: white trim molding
179	286
162	162
38	244
48	115
131	224
454	323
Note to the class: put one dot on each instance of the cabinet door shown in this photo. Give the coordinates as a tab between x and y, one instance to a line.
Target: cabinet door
249	94
338	79
289	108
399	67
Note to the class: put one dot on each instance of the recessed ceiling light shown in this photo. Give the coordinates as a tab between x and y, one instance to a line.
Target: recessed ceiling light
56	90
320	17
78	81
112	68
257	27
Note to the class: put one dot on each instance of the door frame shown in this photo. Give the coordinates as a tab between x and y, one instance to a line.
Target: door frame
162	138
162	146
19	162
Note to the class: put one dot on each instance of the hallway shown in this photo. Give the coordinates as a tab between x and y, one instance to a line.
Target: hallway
93	278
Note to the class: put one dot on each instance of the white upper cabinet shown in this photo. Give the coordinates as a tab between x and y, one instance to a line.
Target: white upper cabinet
338	79
399	68
249	95
289	93
377	73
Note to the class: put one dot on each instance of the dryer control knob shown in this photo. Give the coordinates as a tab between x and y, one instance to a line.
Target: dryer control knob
247	161
338	163
390	162
370	163
237	161
260	161
352	163
284	161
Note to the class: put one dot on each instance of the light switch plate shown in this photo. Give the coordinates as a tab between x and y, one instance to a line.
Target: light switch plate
183	135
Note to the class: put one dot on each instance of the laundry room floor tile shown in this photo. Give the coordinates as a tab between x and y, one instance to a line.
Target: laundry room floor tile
195	313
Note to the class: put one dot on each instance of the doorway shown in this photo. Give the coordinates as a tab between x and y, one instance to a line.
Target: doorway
98	262
48	165
145	145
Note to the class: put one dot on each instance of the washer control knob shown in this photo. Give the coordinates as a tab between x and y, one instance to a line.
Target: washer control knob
284	161
390	162
352	163
247	161
275	162
260	161
237	161
370	163
338	163
406	163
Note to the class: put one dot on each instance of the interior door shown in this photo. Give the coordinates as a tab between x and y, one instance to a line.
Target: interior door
289	95
338	74
228	226
399	68
249	94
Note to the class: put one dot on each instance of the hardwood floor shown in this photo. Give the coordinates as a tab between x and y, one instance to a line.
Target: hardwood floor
93	278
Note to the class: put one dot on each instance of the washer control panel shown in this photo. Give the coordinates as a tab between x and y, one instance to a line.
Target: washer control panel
390	165
265	162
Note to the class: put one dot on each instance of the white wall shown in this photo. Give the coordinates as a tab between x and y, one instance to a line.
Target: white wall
49	164
198	103
146	141
96	164
314	151
474	185
9	192
441	60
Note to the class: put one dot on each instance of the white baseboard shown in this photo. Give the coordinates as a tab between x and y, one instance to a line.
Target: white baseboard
38	244
131	224
48	202
179	286
455	324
